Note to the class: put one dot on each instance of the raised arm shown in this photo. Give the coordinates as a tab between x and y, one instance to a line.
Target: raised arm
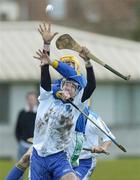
91	81
47	36
45	74
62	68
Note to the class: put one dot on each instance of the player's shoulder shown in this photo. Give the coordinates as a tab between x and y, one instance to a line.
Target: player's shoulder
22	111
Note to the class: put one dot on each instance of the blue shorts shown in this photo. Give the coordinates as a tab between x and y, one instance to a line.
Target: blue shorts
85	168
43	168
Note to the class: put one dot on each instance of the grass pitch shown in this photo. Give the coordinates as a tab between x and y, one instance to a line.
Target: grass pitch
119	169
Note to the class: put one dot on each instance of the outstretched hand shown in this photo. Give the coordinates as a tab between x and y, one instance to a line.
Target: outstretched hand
43	57
45	31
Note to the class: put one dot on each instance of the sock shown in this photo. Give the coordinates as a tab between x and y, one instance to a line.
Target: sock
15	174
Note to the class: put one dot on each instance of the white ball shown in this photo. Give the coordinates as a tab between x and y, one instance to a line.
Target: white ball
49	8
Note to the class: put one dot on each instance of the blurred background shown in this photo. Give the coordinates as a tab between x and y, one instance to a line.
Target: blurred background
110	29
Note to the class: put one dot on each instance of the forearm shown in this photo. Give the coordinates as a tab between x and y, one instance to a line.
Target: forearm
91	83
24	161
45	78
64	69
68	72
45	74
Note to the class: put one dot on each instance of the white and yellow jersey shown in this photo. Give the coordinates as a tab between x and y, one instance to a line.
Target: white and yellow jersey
55	122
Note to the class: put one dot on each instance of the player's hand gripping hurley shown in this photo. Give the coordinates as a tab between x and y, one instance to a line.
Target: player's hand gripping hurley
91	150
67	42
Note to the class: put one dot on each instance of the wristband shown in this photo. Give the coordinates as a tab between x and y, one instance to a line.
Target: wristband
46	47
55	64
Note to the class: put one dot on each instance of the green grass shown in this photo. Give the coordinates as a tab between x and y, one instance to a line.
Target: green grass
5	167
120	169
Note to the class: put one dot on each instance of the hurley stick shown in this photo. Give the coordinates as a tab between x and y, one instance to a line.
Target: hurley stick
88	149
67	42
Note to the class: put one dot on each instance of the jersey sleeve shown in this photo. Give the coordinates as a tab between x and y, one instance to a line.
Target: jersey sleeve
45	78
81	121
103	126
91	84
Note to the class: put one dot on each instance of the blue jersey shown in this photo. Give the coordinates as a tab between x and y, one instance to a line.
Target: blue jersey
81	121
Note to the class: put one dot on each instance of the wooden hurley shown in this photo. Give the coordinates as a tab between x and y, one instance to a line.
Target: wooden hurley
67	42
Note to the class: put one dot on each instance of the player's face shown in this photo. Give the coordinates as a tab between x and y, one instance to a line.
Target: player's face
70	87
31	100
